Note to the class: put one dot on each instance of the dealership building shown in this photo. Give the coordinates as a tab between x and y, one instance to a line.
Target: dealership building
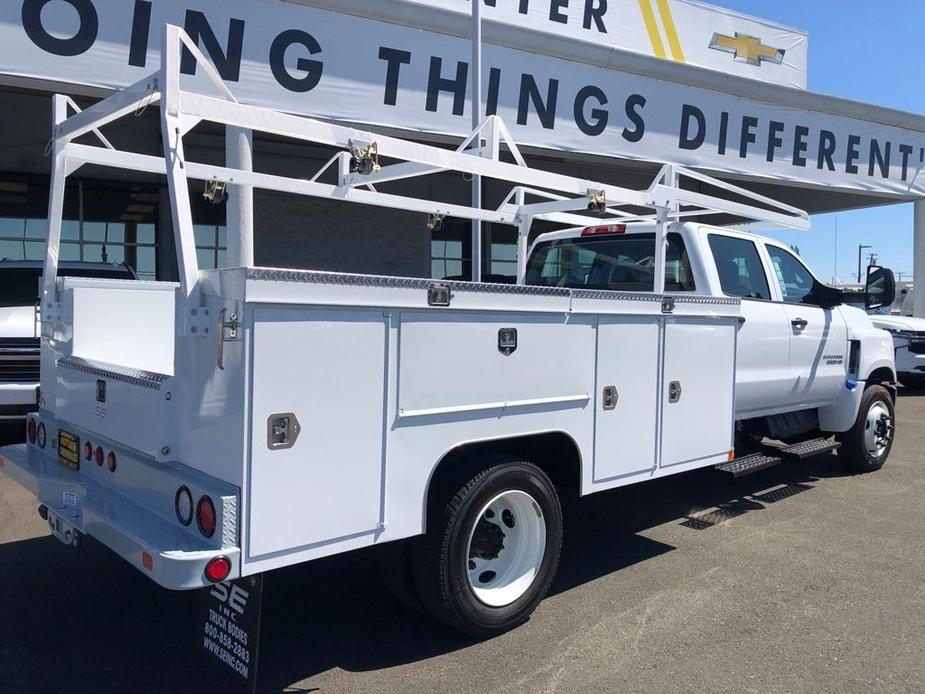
608	90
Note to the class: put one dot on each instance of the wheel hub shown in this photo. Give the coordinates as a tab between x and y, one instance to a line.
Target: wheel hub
506	548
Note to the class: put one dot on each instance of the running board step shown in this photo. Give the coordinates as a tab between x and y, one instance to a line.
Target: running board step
748	464
809	449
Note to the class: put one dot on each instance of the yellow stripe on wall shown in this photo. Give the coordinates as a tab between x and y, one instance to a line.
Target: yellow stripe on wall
671	30
652	27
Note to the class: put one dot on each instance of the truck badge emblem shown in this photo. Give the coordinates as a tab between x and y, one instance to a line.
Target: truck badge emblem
747	49
101	390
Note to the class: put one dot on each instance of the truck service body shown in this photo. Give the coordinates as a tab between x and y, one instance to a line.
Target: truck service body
247	419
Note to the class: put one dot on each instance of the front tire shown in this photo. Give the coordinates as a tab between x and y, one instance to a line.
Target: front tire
491	555
867	445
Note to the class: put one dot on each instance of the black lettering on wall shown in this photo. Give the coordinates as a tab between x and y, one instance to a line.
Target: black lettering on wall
775	141
530	94
228	61
880	158
827	144
524	7
313	69
800	145
599	117
906	151
594	12
748	135
686	140
853	154
394	58
555	11
634	105
437	83
141	29
78	44
723	132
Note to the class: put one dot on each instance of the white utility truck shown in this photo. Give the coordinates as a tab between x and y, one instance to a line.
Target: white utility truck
247	419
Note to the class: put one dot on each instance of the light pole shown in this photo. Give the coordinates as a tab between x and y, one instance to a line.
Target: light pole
860	251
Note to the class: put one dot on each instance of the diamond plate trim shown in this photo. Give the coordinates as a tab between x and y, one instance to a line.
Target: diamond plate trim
135	377
229	521
352	280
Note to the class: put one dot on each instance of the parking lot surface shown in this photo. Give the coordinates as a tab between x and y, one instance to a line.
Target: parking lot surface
801	578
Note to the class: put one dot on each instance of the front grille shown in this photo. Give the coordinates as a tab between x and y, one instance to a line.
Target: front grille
27	345
19	370
19	359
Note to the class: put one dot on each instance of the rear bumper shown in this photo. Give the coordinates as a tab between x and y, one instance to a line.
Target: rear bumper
17	400
177	562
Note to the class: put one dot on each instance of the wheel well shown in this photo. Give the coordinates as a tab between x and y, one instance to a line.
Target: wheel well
882	375
555	453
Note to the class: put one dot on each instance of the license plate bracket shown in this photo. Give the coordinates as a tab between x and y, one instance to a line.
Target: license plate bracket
69	449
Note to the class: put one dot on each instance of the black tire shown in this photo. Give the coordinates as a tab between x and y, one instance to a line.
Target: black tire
440	559
854	452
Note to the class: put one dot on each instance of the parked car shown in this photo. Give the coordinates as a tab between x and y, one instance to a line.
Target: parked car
20	327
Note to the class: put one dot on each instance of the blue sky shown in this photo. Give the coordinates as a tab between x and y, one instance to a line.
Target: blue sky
870	51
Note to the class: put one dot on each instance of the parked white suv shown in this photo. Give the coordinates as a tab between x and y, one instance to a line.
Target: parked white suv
19	328
909	344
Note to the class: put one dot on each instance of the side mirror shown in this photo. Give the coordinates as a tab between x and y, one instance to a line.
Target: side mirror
881	288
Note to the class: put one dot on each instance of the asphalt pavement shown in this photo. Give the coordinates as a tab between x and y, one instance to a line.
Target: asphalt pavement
801	578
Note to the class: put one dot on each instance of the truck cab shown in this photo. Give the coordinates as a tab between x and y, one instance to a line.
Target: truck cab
800	349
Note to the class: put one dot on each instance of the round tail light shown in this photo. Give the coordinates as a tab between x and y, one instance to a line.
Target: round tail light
98	456
111	461
217	569
32	430
41	437
183	504
88	451
205	516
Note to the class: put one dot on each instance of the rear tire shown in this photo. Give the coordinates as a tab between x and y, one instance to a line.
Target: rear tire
492	552
867	445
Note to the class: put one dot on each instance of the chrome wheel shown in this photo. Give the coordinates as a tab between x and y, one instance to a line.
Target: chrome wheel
506	548
878	430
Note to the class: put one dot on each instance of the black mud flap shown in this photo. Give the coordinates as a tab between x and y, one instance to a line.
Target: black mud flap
229	631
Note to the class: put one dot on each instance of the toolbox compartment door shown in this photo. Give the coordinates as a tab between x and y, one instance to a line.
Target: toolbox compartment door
327	367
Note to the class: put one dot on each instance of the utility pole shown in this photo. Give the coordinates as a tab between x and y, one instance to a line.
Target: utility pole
860	253
836	248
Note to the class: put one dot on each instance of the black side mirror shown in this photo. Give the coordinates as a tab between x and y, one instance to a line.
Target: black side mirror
881	287
824	296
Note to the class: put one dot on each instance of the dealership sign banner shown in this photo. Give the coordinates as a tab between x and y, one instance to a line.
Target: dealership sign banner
330	65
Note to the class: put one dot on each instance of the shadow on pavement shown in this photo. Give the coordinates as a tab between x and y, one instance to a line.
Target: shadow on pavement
85	621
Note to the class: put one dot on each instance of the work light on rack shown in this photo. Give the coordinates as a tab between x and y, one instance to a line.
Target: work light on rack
364	158
216	192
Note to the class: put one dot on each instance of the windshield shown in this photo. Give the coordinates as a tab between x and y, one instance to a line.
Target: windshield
19	286
620	263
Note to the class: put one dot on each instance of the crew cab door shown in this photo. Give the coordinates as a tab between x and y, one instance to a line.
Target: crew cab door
763	378
818	336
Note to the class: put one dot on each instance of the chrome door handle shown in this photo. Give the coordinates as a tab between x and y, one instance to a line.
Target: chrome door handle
799	323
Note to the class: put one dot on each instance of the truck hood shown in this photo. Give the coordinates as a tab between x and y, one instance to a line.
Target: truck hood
17	321
898	323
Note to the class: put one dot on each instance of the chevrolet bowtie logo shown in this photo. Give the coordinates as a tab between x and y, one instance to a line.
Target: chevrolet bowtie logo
747	49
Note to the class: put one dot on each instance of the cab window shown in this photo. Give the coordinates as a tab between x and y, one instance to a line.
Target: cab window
796	282
739	266
617	262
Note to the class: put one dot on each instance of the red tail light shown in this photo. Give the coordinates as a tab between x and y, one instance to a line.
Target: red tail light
88	451
111	461
205	516
217	569
98	456
604	230
32	430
